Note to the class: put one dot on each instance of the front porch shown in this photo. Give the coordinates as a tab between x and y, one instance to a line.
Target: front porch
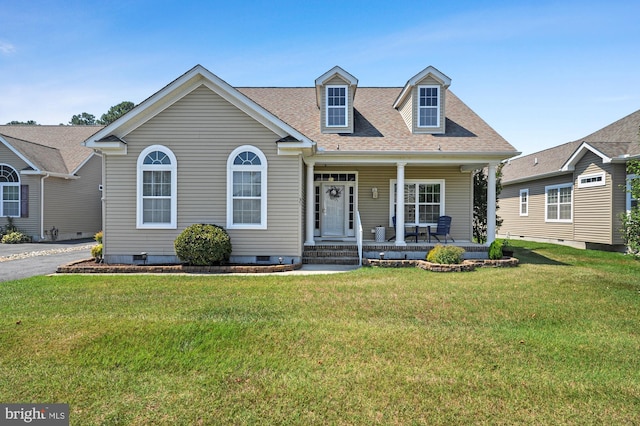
346	253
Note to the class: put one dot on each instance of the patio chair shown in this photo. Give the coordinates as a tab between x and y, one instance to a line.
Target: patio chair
415	234
443	229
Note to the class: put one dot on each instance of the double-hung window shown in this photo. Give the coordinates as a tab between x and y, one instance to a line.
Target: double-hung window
428	106
559	203
157	188
247	189
9	192
337	106
524	202
423	201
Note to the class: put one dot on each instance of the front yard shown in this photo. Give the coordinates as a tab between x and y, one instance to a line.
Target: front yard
553	341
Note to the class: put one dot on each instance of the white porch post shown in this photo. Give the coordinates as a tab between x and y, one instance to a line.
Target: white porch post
309	207
491	203
400	205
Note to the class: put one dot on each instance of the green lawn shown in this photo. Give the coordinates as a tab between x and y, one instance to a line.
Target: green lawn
553	341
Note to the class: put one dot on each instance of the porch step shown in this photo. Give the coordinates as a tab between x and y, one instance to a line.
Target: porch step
330	255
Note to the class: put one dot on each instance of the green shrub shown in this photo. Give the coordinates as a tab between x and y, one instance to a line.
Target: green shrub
98	237
447	255
15	237
495	250
96	252
203	245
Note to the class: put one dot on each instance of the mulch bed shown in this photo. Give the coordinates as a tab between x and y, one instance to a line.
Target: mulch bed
89	266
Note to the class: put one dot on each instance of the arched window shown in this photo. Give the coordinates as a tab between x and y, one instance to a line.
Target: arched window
247	189
157	188
9	191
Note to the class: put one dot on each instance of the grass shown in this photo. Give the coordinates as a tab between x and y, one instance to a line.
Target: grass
554	341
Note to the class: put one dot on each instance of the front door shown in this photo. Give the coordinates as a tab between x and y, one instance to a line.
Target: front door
334	208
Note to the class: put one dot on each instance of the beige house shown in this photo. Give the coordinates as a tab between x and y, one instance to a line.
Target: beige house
574	193
284	169
49	183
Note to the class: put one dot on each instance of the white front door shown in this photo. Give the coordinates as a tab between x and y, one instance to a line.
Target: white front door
334	202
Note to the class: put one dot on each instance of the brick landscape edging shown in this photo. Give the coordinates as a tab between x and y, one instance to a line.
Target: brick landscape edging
465	266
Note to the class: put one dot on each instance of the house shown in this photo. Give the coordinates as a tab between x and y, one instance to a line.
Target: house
287	168
49	182
573	193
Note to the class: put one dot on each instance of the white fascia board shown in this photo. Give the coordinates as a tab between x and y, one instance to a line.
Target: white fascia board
51	174
85	161
18	153
350	79
412	158
570	164
176	90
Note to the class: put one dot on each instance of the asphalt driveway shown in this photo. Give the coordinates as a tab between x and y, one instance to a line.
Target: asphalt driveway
19	261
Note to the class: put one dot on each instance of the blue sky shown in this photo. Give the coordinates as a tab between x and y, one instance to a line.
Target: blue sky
541	72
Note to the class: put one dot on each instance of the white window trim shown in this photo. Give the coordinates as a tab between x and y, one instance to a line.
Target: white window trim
524	191
16	184
345	107
629	198
546	202
173	168
602	181
427	86
263	190
393	198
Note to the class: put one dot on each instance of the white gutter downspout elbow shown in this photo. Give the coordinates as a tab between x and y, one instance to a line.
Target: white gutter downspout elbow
42	205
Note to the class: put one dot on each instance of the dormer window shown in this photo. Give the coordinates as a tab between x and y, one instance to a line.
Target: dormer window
429	106
336	106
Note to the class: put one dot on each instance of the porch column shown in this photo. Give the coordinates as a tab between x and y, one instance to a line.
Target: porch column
491	203
309	207
400	205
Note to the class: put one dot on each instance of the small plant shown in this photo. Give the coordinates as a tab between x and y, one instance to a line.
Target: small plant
96	251
495	250
15	237
203	245
447	255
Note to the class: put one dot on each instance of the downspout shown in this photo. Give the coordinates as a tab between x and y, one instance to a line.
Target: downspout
42	205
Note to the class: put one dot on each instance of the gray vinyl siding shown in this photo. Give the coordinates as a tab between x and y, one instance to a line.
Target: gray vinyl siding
28	225
202	129
593	211
73	206
429	80
534	225
406	111
338	81
376	211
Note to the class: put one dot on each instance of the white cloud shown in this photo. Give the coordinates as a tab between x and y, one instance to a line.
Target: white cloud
6	48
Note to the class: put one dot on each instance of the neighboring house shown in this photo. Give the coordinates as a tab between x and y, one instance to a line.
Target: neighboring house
49	182
573	193
285	168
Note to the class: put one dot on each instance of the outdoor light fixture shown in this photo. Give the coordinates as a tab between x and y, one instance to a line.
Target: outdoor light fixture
280	260
382	256
374	192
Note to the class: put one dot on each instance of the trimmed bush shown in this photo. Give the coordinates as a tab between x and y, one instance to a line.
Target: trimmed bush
203	245
96	252
15	237
98	237
446	255
495	250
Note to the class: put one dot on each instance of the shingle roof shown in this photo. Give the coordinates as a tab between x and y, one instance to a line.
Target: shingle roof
378	126
618	139
55	149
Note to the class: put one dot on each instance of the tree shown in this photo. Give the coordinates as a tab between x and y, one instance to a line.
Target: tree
480	183
28	123
116	112
84	119
631	220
